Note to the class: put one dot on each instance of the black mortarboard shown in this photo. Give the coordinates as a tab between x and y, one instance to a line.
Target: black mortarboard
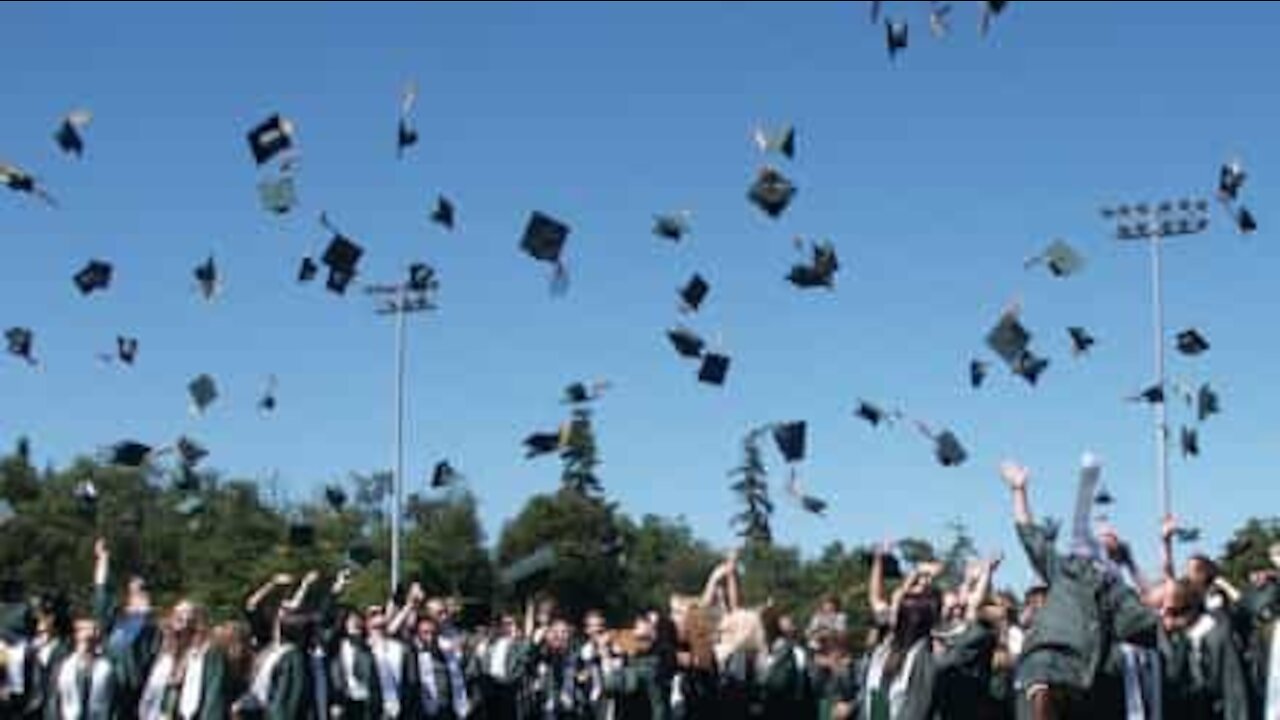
686	342
671	226
889	563
578	393
947	449
977	372
206	275
126	349
1230	179
278	195
814	505
541	443
783	141
1206	403
1191	342
341	257
361	553
190	452
203	391
421	277
336	497
1103	497
1009	339
1186	535
129	453
694	292
1153	395
821	273
1245	221
307	270
96	275
869	412
544	237
714	369
273	136
990	9
1061	259
771	192
790	439
18	180
267	403
21	341
1081	340
1028	366
68	133
1190	442
443	212
443	475
406	135
301	534
895	37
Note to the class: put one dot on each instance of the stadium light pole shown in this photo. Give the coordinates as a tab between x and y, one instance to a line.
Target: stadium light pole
1155	223
400	300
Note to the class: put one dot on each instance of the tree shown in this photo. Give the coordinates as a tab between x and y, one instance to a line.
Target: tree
445	547
580	456
1247	550
663	557
753	522
959	552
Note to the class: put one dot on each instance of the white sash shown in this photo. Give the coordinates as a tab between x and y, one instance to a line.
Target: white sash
498	653
192	683
457	683
388	656
151	706
427	678
1141	669
356	689
16	667
1273	675
261	687
68	689
897	690
1196	635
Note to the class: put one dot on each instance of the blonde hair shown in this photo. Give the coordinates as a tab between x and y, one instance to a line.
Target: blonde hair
740	631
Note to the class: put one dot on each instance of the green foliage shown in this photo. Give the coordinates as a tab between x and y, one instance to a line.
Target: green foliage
752	489
1246	551
580	456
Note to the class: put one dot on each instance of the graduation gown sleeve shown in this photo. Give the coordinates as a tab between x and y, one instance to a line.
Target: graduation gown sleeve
290	688
215	703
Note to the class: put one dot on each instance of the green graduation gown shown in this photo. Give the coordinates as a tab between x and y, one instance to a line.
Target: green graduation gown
638	690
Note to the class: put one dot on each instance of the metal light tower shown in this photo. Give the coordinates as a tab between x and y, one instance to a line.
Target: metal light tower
412	296
1154	223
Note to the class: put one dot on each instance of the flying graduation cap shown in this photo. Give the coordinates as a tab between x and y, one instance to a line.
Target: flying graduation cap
267	402
270	138
68	135
990	10
1081	340
203	390
686	343
790	439
129	453
783	141
1151	395
579	393
873	414
543	240
771	192
1062	259
443	213
307	270
542	443
1189	440
341	257
1009	339
18	180
693	293
977	372
1245	221
443	475
336	497
21	342
947	449
96	275
895	37
672	226
808	503
190	452
1190	342
1230	179
207	280
278	195
939	24
1206	403
820	272
715	367
406	135
126	349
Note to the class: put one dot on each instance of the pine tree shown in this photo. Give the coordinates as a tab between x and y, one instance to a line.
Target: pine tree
580	457
752	488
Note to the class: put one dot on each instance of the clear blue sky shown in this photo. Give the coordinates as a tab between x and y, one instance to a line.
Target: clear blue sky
935	177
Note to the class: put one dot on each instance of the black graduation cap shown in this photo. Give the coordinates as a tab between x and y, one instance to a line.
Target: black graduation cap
302	534
406	135
341	257
203	391
443	475
977	372
771	192
1230	179
938	23
1029	367
812	504
1081	340
990	9
267	403
687	343
273	136
206	275
1152	395
783	141
307	270
1062	259
19	180
714	369
96	275
578	393
543	240
790	439
126	349
1245	221
870	413
190	452
541	443
443	212
895	36
948	450
1009	339
278	195
1186	535
889	563
21	341
1103	497
1206	403
693	293
671	226
421	277
129	453
336	497
68	133
1190	442
1191	342
821	272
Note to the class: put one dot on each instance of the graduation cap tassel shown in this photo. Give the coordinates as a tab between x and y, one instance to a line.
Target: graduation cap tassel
559	280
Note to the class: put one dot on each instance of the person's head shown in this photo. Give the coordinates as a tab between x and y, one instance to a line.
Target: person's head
830	605
426	630
643	635
558	636
593	624
375	620
698	637
234	640
918	612
87	635
1109	541
508	627
437	609
51	618
295	628
952	606
137	596
545	611
1035	598
352	623
1182	606
787	627
1201	572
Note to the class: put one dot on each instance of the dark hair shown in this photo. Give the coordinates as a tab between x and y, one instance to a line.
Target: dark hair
1210	567
296	627
917	614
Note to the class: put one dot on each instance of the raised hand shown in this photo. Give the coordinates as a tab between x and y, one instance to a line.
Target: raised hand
1015	475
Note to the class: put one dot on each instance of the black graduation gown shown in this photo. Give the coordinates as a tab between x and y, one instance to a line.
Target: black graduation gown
365	672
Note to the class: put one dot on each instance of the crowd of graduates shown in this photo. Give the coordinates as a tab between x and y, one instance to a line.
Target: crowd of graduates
1096	638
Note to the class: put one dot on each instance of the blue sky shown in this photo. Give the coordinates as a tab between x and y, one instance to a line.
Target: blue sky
934	176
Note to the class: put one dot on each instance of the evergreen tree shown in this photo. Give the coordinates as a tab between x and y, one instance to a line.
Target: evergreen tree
752	488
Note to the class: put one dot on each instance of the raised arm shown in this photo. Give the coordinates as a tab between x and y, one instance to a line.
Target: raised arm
981	586
1167	529
408	613
256	598
875	586
299	597
712	586
1016	476
102	604
733	596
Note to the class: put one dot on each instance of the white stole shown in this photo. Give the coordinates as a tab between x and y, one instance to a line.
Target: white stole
1141	669
68	688
388	657
1196	635
152	703
261	687
356	689
898	689
427	677
457	682
498	653
1273	675
16	667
